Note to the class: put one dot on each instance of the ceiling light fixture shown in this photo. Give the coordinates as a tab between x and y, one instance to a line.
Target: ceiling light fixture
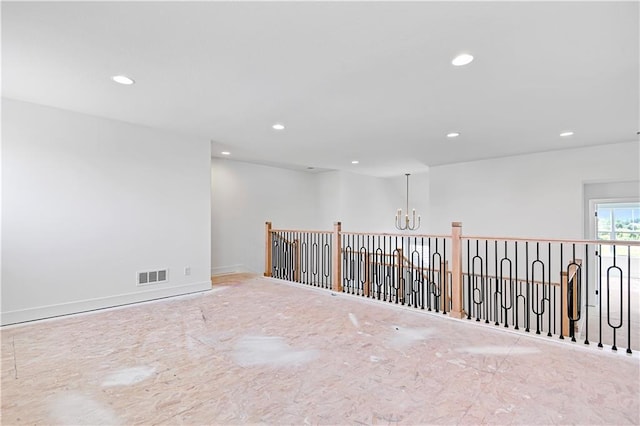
462	59
123	79
355	162
225	153
278	126
566	134
407	223
453	135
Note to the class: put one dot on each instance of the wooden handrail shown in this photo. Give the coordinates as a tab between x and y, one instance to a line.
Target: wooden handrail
474	237
517	279
387	234
302	231
552	240
407	261
284	239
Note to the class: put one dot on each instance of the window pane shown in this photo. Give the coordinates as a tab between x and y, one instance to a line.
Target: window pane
620	221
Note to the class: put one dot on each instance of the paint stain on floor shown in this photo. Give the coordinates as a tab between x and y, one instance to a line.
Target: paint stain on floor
273	351
75	408
128	376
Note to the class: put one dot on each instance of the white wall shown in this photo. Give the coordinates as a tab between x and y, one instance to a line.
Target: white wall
538	195
87	202
369	204
244	196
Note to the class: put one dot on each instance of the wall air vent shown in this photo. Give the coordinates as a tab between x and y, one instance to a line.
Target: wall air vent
153	277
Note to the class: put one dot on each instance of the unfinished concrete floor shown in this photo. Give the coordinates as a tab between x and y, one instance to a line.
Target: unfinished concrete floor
261	351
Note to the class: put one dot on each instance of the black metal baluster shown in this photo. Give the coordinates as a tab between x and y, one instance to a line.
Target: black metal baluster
477	290
346	272
628	300
421	287
503	301
498	287
388	271
436	284
314	242
517	285
371	264
469	272
308	239
377	277
328	244
599	254
615	328
396	273
283	258
444	277
429	274
528	299
313	280
586	320
538	311
363	267
292	255
415	273
486	301
574	292
352	264
357	269
562	301
275	256
549	293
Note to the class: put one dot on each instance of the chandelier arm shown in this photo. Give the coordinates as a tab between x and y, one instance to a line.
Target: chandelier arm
410	224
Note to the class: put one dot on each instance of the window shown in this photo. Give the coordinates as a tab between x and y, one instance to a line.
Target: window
618	221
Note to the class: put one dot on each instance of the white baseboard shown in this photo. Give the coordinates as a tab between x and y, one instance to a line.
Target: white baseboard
42	312
232	269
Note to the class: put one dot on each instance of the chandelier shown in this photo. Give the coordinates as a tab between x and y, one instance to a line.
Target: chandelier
405	223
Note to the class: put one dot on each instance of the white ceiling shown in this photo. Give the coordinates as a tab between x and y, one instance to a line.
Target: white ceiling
367	81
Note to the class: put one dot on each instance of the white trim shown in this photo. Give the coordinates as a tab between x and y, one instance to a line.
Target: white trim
41	312
231	269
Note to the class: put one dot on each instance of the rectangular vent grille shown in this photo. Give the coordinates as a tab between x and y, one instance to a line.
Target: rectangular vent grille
153	277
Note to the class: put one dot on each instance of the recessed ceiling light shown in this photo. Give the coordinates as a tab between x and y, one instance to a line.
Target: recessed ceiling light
566	134
122	79
355	162
462	59
453	135
225	153
278	126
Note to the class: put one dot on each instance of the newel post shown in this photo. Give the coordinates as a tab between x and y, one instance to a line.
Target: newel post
267	249
336	277
457	310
